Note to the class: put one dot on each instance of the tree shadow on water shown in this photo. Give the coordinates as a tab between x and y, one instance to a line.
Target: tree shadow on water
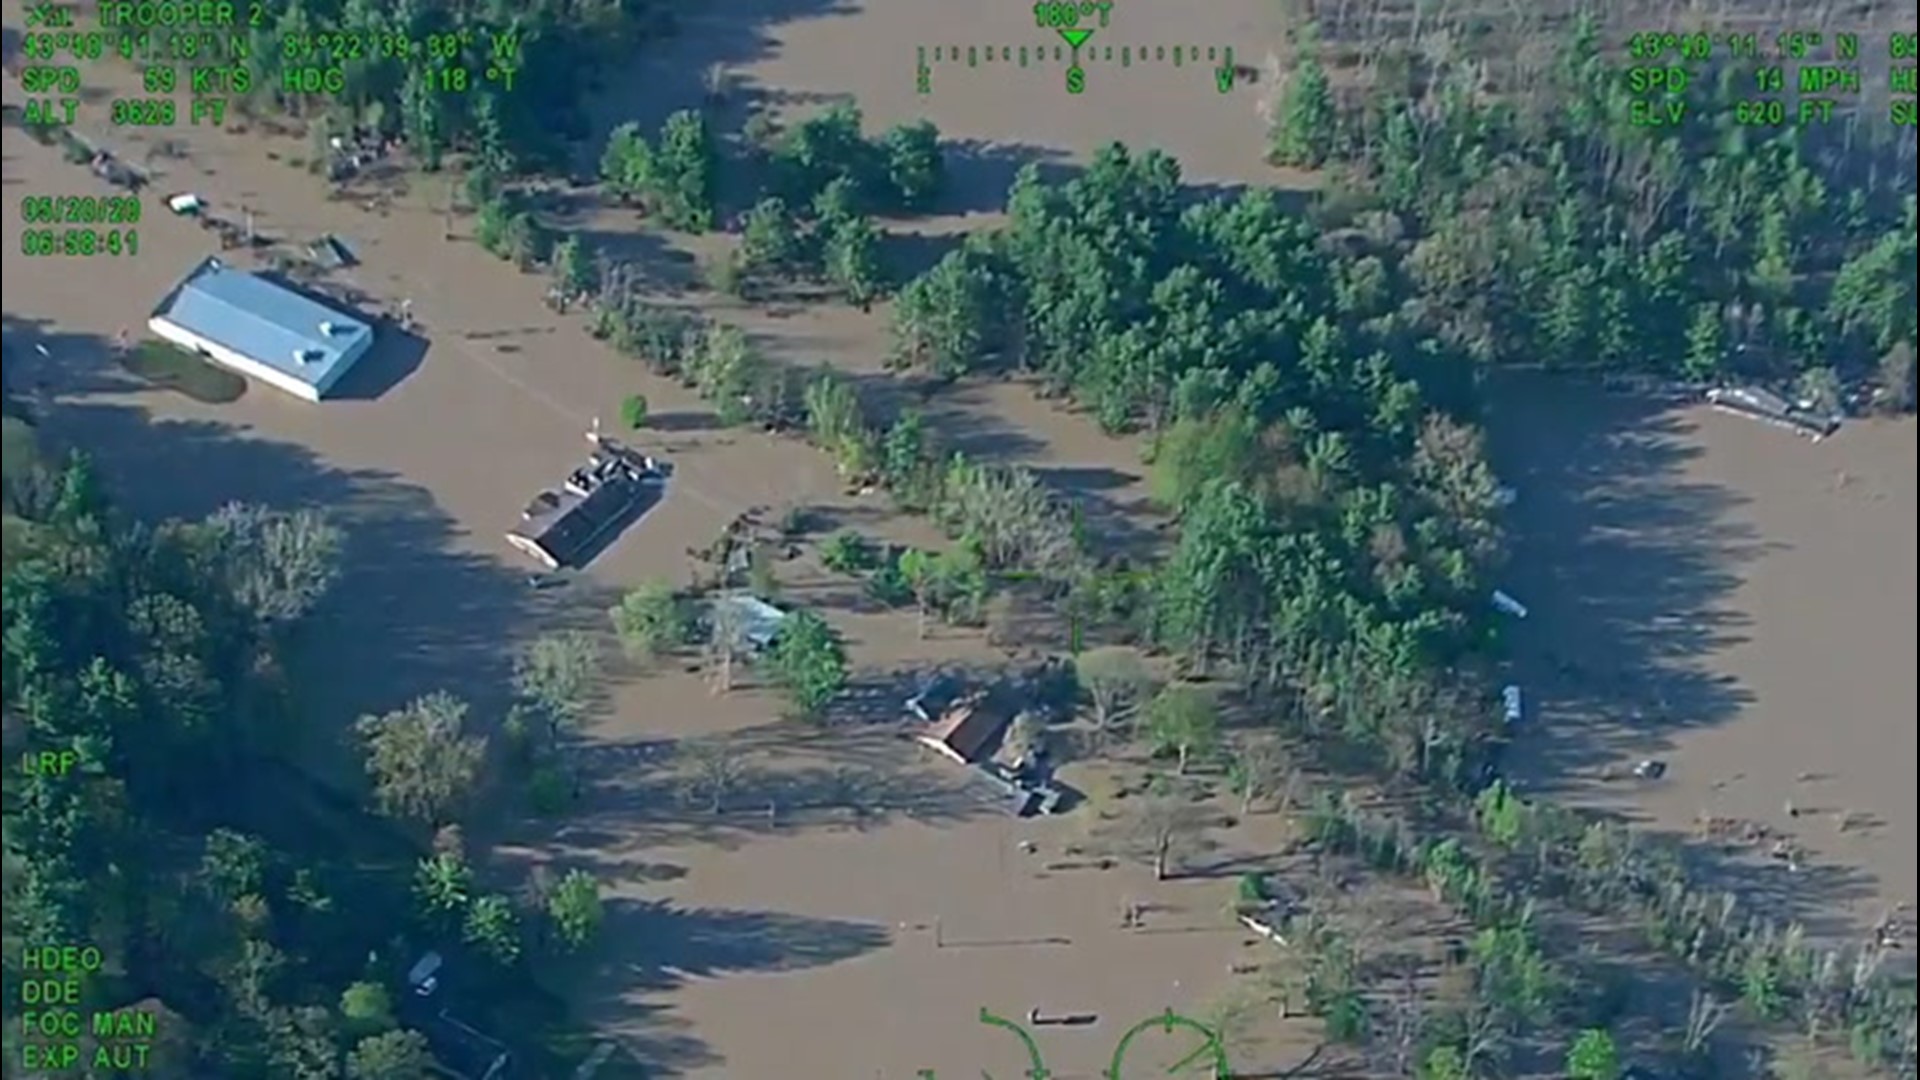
395	355
679	943
1627	568
411	611
979	173
674	72
652	948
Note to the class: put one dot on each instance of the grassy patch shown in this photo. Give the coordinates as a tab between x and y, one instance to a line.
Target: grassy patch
171	368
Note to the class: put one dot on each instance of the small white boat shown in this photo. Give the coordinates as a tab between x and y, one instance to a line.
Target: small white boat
1507	604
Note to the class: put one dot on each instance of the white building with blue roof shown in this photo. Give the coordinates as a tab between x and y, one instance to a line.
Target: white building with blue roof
261	329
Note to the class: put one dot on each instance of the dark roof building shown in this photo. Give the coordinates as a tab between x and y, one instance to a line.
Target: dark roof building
564	527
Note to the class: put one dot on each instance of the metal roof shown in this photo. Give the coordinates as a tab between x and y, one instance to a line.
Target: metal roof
760	622
567	526
267	323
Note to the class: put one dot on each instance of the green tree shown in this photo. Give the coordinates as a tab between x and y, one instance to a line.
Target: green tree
1304	125
558	673
493	927
1593	1056
277	565
233	865
422	116
650	620
494	149
838	201
1873	292
1114	682
914	165
526	243
809	661
847	552
493	226
684	171
392	1055
921	569
301	1042
367	1008
944	318
835	418
626	166
852	259
1895	376
422	761
770	244
574	906
822	149
480	187
1706	344
443	885
1444	1063
1184	720
574	273
633	411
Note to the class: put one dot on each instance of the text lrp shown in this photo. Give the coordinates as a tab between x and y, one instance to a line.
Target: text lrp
49	762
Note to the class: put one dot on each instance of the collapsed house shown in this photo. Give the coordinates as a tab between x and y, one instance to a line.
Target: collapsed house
969	727
1758	404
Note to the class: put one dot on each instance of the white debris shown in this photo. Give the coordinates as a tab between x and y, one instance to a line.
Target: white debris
1508	604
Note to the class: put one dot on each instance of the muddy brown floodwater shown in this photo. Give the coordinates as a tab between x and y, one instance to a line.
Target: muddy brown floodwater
1737	602
1764	587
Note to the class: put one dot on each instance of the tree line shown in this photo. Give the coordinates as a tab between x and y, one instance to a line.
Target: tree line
1307	383
1310	400
1549	228
272	924
504	82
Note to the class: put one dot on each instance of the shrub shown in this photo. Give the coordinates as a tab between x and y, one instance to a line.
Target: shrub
847	552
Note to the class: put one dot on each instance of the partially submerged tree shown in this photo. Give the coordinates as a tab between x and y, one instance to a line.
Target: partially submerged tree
391	1055
443	886
650	620
574	906
809	661
1184	720
727	642
1156	827
714	769
493	927
557	674
278	564
1115	681
1259	767
1593	1056
421	759
575	274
